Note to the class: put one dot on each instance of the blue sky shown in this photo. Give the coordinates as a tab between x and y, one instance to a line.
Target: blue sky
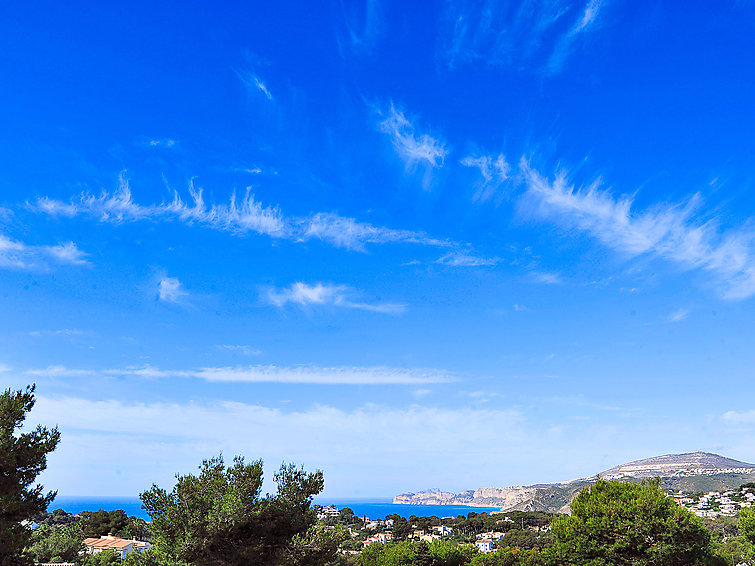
444	244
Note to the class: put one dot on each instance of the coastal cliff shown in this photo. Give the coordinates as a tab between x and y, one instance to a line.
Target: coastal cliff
694	472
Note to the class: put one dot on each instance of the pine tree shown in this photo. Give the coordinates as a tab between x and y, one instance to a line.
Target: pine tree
23	457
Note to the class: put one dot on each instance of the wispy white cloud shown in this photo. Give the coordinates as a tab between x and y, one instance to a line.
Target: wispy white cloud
170	290
546	277
261	86
538	33
678	315
238	217
412	148
343	375
495	172
68	253
585	22
13	253
463	259
669	231
363	23
253	82
160	142
242	349
349	233
67	332
18	255
302	294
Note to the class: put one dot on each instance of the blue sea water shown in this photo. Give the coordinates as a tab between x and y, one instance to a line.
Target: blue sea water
131	505
371	508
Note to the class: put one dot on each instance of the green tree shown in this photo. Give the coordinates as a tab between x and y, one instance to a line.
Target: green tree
57	543
735	549
422	555
218	517
401	527
346	516
746	524
104	558
391	554
98	523
317	547
22	458
515	557
616	523
445	553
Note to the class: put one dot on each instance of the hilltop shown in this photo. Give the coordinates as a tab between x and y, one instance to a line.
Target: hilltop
690	472
675	465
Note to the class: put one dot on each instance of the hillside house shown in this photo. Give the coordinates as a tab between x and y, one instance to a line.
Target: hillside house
443	530
485	545
121	546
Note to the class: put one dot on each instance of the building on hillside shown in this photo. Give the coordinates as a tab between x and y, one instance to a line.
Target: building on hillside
381	538
485	545
493	535
326	512
121	546
443	530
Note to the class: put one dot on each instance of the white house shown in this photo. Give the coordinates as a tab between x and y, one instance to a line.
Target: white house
485	545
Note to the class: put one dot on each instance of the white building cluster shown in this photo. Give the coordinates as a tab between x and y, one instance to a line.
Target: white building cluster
715	503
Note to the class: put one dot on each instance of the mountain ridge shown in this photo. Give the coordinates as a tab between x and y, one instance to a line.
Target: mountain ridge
690	471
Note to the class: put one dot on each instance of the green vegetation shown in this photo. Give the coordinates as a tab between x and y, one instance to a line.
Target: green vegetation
218	517
615	523
22	458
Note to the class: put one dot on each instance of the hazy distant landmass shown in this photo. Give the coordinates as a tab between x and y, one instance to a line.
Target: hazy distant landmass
690	472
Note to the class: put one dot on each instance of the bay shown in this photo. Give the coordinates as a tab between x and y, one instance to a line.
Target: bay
371	508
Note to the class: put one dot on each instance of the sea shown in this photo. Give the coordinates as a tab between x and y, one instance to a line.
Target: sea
370	508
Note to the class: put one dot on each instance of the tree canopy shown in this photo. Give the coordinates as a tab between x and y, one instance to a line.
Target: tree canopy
218	518
617	523
22	458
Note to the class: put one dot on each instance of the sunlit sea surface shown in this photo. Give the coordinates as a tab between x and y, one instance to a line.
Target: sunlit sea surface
371	508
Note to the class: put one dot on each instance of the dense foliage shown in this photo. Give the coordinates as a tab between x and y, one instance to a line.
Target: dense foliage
615	523
218	518
22	458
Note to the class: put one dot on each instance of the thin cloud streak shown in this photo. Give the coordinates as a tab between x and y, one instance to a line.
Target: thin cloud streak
241	349
238	217
536	34
495	173
667	231
461	259
313	375
678	315
303	295
254	83
18	255
343	232
583	24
